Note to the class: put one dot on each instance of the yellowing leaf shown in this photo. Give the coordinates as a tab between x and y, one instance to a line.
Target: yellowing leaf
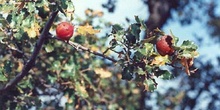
160	60
103	73
81	90
2	1
136	91
20	66
98	13
94	48
69	100
33	31
195	54
95	13
86	30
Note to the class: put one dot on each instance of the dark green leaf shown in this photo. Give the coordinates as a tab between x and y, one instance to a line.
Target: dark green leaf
8	66
61	10
135	30
25	83
143	25
131	38
137	19
116	28
80	39
64	4
164	74
113	43
127	73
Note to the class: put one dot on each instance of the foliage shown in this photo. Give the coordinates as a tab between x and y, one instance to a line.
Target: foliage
79	71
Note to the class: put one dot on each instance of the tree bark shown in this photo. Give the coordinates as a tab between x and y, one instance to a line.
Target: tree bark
160	12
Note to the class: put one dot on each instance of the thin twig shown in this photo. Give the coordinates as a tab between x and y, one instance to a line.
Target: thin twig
31	61
80	47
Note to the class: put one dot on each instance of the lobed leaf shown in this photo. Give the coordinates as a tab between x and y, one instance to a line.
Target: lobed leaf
87	30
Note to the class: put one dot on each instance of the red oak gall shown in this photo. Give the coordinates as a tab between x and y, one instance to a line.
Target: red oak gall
64	30
164	45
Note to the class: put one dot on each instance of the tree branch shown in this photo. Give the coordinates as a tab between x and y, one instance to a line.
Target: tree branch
31	61
78	46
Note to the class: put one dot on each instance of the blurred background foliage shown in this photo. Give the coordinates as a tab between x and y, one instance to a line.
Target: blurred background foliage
85	81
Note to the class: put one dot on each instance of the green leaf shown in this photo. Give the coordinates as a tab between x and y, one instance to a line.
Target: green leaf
61	10
176	39
69	71
188	54
31	7
25	83
140	71
188	50
137	19
188	45
150	85
135	30
131	38
3	22
81	90
70	6
127	73
7	8
117	28
166	75
64	4
147	50
80	39
138	54
143	25
2	36
148	68
28	21
89	80
2	76
56	65
49	48
149	39
52	79
141	51
113	43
